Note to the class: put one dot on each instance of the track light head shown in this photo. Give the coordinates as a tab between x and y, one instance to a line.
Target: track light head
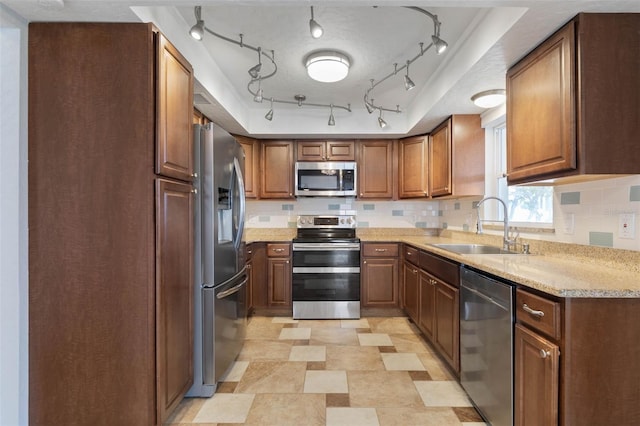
269	115
408	83
197	31
315	29
258	97
370	109
332	120
439	44
254	71
381	122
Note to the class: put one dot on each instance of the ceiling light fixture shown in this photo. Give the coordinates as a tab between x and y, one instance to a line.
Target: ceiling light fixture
327	66
315	29
332	120
489	98
439	46
197	32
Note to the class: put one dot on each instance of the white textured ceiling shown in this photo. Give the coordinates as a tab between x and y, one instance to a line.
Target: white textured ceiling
485	37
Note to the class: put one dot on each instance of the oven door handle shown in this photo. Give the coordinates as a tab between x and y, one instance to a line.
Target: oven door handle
326	270
326	246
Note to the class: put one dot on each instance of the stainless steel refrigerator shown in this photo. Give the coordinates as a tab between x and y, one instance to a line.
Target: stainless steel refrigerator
220	276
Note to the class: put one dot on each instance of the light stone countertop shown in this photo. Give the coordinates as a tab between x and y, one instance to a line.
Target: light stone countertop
590	272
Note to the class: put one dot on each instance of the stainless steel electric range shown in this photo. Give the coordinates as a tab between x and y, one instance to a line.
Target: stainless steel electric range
326	268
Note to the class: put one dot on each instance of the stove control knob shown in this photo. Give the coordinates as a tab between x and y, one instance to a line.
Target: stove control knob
342	221
350	221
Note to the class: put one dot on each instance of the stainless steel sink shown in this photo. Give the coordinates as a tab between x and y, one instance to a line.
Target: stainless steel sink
472	249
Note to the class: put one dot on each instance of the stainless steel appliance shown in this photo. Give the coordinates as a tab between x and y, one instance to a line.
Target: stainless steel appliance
486	345
326	268
220	275
325	179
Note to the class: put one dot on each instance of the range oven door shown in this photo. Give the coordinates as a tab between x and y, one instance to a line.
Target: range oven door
321	285
326	255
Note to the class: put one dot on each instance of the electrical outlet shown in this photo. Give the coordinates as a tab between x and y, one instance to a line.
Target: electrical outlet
627	225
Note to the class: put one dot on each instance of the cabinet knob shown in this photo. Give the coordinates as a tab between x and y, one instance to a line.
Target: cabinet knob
415	271
544	354
364	261
361	194
194	175
287	261
533	312
194	191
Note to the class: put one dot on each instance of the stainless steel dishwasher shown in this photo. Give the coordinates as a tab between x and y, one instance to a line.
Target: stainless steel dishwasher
486	345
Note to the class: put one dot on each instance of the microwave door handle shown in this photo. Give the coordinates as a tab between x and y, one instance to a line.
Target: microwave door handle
341	181
241	203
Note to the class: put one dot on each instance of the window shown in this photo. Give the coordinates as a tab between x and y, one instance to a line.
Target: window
527	205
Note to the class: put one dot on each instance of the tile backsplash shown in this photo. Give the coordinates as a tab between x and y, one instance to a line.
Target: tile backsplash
378	214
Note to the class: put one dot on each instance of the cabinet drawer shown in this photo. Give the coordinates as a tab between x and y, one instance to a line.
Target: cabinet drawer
412	255
538	313
448	272
278	250
380	250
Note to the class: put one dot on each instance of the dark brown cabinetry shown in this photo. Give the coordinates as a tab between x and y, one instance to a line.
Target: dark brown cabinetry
375	169
110	243
413	167
276	165
279	275
447	323
457	157
572	103
410	295
427	308
251	149
379	275
339	150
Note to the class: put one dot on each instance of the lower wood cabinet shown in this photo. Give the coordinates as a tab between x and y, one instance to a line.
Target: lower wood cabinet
447	323
536	379
410	296
279	275
379	275
427	308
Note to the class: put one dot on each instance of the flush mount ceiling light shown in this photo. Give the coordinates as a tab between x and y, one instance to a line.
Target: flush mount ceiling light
327	66
489	98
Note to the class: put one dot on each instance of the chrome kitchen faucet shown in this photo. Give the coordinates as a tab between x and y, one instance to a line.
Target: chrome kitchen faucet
507	242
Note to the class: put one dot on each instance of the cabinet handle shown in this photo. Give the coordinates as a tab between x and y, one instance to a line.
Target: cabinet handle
544	354
278	250
381	250
364	261
361	194
408	253
415	271
532	311
432	282
194	175
287	261
194	191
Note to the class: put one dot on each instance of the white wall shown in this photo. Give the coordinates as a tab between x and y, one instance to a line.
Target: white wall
14	359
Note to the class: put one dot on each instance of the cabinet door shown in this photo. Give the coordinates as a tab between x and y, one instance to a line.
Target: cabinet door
447	327
379	282
427	308
536	379
340	151
251	149
174	293
375	169
410	296
276	163
413	167
541	110
440	160
279	282
174	110
311	151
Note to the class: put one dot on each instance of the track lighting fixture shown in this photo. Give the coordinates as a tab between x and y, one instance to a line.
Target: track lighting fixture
258	96
381	121
408	83
440	44
314	28
332	120
269	114
254	71
197	31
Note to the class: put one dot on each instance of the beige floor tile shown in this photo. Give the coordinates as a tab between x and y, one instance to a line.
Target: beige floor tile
284	320
353	358
382	389
355	323
423	416
391	325
253	350
474	424
235	371
442	394
402	362
434	366
261	330
374	339
308	353
325	381
273	377
409	343
347	416
334	336
332	324
186	411
287	410
295	333
225	408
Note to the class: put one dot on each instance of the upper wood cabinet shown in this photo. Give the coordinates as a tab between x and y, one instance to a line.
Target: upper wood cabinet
375	169
413	165
174	136
573	107
457	157
339	150
276	164
251	149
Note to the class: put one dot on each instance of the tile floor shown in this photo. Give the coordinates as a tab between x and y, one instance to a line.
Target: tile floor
371	371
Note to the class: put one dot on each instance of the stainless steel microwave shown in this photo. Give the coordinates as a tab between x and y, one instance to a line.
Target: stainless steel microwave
325	179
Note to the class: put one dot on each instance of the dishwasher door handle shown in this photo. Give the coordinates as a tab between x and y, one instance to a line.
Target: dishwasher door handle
485	297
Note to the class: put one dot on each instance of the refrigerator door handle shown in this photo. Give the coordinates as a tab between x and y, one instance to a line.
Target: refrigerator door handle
241	202
242	272
231	290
